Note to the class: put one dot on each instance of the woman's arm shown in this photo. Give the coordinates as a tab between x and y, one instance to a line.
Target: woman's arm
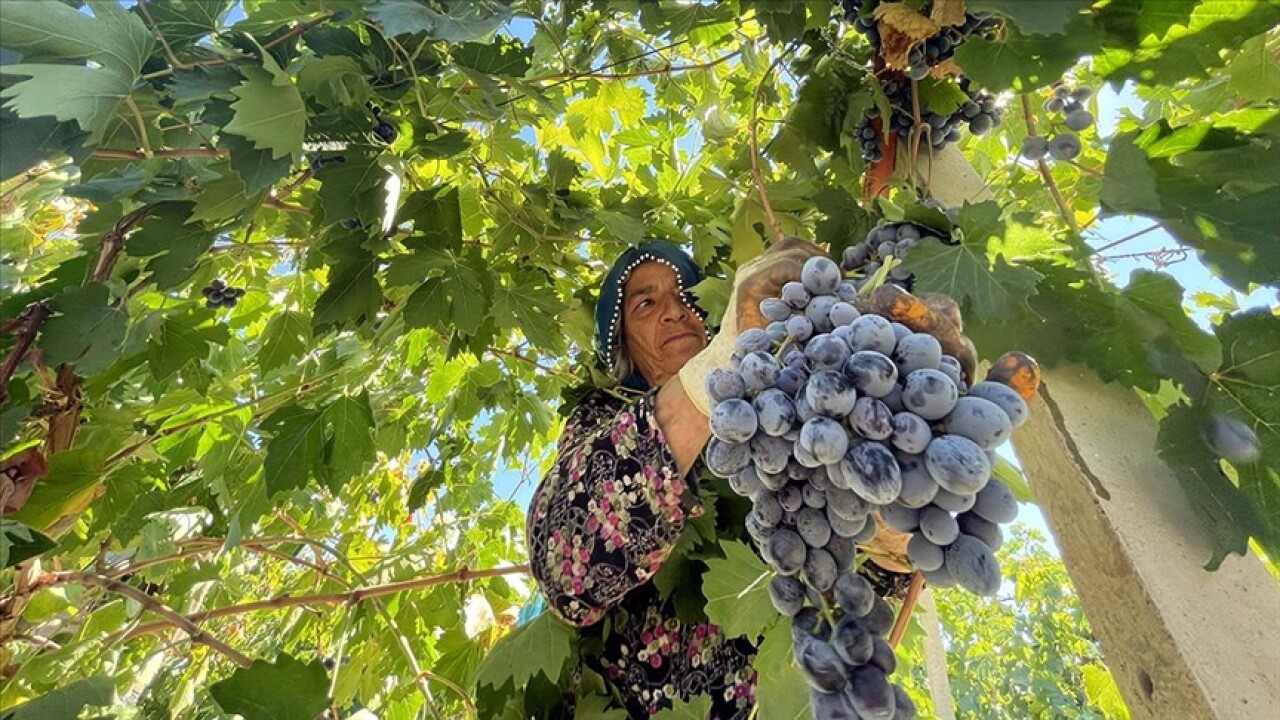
610	510
685	428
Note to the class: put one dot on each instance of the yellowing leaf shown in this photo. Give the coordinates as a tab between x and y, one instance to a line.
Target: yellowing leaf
902	28
947	12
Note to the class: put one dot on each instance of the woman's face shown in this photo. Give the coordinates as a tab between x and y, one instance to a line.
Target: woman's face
659	331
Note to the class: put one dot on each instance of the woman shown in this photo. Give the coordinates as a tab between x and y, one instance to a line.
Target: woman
610	511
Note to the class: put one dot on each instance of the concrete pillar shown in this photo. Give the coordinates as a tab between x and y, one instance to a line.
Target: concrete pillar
1181	642
935	658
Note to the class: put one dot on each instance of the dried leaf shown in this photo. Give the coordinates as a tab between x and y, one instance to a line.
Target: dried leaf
901	29
18	476
946	68
947	12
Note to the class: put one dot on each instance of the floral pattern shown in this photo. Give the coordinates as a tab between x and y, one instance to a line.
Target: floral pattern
601	523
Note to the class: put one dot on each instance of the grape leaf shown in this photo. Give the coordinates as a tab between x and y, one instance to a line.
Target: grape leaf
351	449
257	169
286	689
285	337
427	481
270	115
353	295
781	693
335	81
113	39
27	142
500	57
737	591
19	542
941	96
460	21
543	646
180	340
173	245
86	331
1255	71
1159	296
1222	201
1224	511
68	701
223	198
1043	17
73	474
531	304
355	188
183	22
966	271
1023	62
295	448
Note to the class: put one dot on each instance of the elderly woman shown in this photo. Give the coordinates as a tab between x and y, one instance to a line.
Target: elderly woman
610	511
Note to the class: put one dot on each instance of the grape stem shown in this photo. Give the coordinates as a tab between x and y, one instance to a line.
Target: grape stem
908	605
1043	166
752	128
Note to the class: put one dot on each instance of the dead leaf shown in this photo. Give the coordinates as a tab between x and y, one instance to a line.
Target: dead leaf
901	29
18	477
945	69
947	12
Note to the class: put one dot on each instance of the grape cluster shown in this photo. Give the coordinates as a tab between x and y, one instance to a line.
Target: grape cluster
829	416
979	113
218	294
1065	144
885	241
383	130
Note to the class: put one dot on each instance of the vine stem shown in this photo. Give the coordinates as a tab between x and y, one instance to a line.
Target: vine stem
349	597
1127	238
1043	166
752	128
109	154
908	605
171	616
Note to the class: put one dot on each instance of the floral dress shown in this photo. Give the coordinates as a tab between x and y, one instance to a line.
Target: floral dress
601	524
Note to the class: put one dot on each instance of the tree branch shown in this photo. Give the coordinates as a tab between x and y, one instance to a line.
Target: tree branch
1127	238
108	154
171	616
30	320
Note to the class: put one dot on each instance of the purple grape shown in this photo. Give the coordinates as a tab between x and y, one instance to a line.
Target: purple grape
917	351
1231	439
795	295
953	502
727	459
766	509
988	532
853	644
724	384
752	340
818	311
775	309
820	275
820	569
927	393
844	527
923	554
788	551
1079	120
910	432
774	409
800	328
973	565
855	595
824	438
872	373
847	504
770	454
918	487
982	421
830	394
900	517
734	421
787	594
994	502
871	419
1014	407
938	526
826	352
759	370
958	464
843	313
877	477
872	332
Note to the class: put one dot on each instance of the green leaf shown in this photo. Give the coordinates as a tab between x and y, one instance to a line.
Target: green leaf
173	244
270	115
353	294
86	330
457	21
295	449
353	189
1160	297
67	702
1255	71
1023	62
781	693
1043	17
256	168
73	475
427	481
18	542
1100	687
697	707
287	689
503	56
531	304
1225	513
114	40
109	187
941	96
352	448
183	22
223	198
967	271
286	336
737	591
543	646
712	294
1129	183
180	340
26	143
335	81
437	221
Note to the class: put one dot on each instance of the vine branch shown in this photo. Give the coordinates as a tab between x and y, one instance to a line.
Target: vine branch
1043	166
171	616
752	128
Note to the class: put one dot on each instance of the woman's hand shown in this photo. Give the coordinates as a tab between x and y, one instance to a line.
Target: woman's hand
764	277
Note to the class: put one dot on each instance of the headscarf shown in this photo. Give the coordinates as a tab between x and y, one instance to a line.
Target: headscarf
609	307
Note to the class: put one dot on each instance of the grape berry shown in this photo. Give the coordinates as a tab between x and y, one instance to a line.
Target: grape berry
831	416
218	294
1065	145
